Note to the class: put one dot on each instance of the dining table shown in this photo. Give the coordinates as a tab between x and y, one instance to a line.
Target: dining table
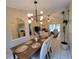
30	49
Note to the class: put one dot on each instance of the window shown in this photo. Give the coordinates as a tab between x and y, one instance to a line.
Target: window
54	26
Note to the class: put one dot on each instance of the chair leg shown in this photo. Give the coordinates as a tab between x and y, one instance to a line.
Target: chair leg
46	57
14	56
49	55
51	50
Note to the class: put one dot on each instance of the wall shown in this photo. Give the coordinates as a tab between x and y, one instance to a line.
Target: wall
70	26
11	15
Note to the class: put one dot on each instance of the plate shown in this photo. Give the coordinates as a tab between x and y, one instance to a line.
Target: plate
21	48
35	45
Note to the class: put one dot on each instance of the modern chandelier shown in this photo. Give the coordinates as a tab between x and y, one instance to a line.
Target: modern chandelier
37	17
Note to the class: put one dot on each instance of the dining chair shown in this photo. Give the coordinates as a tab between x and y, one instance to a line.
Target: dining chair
49	46
50	50
11	55
43	34
43	52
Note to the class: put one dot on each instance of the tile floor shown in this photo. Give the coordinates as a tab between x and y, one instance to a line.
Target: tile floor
62	54
59	52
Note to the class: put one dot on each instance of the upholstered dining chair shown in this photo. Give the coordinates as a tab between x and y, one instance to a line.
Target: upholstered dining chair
43	34
49	46
43	52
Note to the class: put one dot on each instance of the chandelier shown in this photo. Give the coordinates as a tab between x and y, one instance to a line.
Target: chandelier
32	17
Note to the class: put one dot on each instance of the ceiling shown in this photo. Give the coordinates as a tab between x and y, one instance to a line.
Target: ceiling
48	6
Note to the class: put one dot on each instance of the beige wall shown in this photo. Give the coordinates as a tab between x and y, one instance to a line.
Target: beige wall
11	25
13	15
70	26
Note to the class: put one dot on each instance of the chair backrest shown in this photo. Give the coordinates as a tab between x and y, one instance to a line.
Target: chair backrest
43	51
49	42
43	34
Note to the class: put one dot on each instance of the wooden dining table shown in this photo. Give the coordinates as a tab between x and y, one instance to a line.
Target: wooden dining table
26	54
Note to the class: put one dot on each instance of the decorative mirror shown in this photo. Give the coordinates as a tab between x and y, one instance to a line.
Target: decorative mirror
18	28
21	28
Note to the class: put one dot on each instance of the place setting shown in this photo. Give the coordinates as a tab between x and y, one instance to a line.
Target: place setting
21	49
29	42
36	45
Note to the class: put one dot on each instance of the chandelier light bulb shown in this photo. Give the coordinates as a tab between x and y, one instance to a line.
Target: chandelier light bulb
41	17
29	21
41	22
41	12
29	15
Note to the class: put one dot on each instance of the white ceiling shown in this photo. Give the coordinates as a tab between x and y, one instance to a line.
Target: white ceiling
48	6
